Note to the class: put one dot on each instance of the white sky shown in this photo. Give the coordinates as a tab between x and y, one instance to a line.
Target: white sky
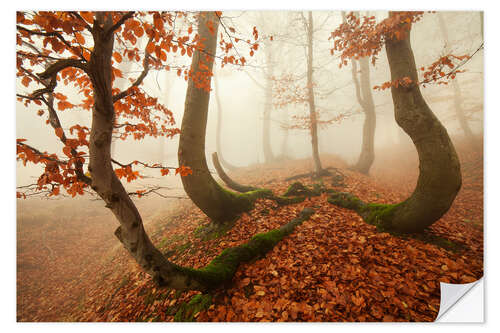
492	164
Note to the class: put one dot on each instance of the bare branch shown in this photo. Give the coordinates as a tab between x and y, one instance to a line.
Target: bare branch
85	24
59	65
41	33
141	77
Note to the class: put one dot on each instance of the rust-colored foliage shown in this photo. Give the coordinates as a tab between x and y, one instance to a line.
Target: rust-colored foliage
49	39
365	37
333	267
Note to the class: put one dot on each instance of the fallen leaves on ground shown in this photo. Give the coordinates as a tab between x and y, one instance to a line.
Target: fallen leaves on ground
333	267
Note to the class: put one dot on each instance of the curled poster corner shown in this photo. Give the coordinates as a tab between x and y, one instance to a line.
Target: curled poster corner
459	304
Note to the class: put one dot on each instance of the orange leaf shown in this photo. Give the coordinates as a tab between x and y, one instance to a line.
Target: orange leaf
117	56
26	81
79	38
59	132
88	16
150	48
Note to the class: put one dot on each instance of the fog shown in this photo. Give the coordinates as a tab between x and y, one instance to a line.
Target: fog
242	95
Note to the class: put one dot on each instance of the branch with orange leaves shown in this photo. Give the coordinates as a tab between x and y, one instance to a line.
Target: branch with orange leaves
435	73
126	169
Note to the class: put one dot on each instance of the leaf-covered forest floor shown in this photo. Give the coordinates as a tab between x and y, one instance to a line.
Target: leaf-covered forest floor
333	267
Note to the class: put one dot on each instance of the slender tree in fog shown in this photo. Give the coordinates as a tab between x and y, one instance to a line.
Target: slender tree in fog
439	179
364	96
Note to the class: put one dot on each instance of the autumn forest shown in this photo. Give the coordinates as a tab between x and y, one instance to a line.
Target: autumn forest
247	166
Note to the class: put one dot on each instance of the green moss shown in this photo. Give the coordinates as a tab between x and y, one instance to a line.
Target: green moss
298	189
295	189
187	311
346	200
379	215
238	203
221	270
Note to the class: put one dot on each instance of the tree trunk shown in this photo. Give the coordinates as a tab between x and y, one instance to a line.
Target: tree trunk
457	100
310	91
227	180
218	133
365	99
218	204
440	179
104	180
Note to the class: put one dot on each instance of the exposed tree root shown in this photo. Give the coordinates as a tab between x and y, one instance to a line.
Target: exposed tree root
220	271
380	215
315	175
227	180
295	193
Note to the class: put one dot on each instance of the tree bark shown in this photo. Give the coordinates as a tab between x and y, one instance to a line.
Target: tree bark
227	180
365	99
104	180
439	179
219	204
310	92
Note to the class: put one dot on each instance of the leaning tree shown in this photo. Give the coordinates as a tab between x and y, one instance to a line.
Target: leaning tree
218	203
439	178
83	50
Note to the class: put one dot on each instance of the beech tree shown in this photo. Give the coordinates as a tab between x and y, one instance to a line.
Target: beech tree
83	49
219	204
439	179
364	96
304	88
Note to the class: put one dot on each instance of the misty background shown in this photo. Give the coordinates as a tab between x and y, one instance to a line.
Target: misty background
242	96
242	101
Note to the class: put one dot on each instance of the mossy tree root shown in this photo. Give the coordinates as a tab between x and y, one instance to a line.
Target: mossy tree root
228	180
382	216
296	193
323	173
248	194
220	271
379	215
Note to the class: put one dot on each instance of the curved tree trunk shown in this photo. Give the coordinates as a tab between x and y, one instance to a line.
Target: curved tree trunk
104	180
440	179
310	91
365	99
227	180
218	204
